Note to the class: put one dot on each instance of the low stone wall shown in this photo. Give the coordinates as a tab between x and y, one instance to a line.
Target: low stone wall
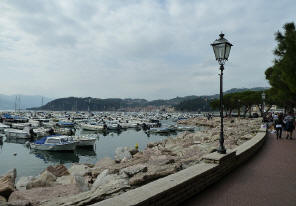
176	188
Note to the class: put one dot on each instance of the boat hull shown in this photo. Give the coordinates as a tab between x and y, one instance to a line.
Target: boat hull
16	134
86	142
92	127
54	147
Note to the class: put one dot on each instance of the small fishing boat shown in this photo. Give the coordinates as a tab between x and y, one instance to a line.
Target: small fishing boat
163	130
16	134
65	124
55	143
3	127
41	132
114	126
84	140
92	127
185	128
20	126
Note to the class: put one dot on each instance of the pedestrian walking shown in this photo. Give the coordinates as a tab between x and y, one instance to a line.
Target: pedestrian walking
289	125
278	124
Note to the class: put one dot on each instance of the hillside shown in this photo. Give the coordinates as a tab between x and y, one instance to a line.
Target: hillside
188	103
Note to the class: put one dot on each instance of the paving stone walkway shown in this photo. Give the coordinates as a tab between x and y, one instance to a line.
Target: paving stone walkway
269	178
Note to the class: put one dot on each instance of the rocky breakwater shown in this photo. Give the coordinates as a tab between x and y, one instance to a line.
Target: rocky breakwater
84	184
7	185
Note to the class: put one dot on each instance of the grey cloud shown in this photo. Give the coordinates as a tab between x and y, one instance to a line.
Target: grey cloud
149	49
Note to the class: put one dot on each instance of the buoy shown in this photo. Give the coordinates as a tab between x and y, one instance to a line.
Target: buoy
14	154
137	146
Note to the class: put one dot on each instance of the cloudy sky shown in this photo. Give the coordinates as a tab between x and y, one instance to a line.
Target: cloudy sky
135	48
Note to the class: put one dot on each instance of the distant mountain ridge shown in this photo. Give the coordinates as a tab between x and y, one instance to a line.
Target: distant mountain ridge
115	104
10	102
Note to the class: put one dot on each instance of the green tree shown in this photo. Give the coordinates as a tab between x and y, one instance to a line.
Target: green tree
245	99
282	75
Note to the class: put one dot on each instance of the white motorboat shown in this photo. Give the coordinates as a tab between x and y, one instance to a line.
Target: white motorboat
55	143
185	128
3	127
113	126
20	125
49	124
16	134
91	127
41	132
85	140
127	125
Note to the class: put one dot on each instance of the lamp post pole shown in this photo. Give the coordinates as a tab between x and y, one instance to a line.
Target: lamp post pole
221	49
221	149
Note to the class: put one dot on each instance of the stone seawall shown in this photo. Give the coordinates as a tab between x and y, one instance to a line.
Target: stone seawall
175	188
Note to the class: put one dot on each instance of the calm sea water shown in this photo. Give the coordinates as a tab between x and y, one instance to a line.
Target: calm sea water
30	162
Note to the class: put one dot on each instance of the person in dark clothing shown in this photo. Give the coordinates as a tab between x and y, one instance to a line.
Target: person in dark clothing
289	125
278	124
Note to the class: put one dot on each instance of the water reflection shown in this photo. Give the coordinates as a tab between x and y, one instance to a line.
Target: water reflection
88	152
17	141
1	143
56	157
31	162
161	134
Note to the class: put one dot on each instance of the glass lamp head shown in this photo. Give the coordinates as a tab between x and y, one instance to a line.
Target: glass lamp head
221	49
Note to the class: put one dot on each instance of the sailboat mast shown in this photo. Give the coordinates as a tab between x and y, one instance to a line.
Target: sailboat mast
19	103
15	103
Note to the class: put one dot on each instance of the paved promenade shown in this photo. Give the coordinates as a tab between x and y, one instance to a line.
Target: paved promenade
269	178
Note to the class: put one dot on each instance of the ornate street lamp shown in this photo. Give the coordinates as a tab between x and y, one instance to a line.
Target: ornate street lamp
221	49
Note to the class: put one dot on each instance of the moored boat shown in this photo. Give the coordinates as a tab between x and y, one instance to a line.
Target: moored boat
16	134
55	143
84	141
3	127
91	127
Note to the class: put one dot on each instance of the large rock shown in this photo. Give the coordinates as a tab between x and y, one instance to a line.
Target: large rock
113	180
151	151
58	170
154	172
2	200
45	179
122	153
99	178
7	183
161	159
79	170
79	181
106	185
23	182
36	195
19	203
134	169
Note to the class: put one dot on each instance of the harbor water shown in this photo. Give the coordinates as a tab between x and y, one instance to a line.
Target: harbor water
30	162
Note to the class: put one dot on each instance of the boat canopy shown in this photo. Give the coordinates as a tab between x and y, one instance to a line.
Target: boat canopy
65	124
7	116
43	139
